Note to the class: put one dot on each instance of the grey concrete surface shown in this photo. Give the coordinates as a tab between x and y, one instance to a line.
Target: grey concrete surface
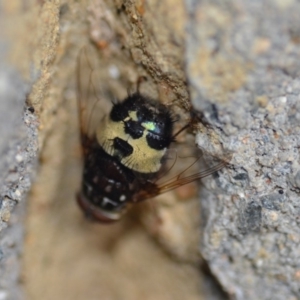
243	62
18	150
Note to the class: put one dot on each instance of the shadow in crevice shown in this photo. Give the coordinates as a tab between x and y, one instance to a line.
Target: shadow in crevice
212	287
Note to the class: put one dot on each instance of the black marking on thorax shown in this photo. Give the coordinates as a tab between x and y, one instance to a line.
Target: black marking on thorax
134	129
122	148
147	110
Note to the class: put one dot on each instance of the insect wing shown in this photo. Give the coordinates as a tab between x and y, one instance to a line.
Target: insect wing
91	104
179	169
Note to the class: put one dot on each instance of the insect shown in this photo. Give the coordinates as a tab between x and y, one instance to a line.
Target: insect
126	154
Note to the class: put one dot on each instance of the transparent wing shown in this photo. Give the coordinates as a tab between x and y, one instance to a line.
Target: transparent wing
92	105
183	165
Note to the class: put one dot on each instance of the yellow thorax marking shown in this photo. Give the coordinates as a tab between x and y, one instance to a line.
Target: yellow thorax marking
143	159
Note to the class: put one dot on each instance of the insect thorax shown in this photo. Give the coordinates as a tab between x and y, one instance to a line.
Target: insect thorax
138	132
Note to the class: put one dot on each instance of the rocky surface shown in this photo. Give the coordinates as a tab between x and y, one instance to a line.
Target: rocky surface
238	63
243	66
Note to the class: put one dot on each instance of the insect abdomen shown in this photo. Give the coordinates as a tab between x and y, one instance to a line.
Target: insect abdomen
107	185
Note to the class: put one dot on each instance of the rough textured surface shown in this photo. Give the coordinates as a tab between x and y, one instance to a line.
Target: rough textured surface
80	260
18	159
243	65
18	150
242	62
